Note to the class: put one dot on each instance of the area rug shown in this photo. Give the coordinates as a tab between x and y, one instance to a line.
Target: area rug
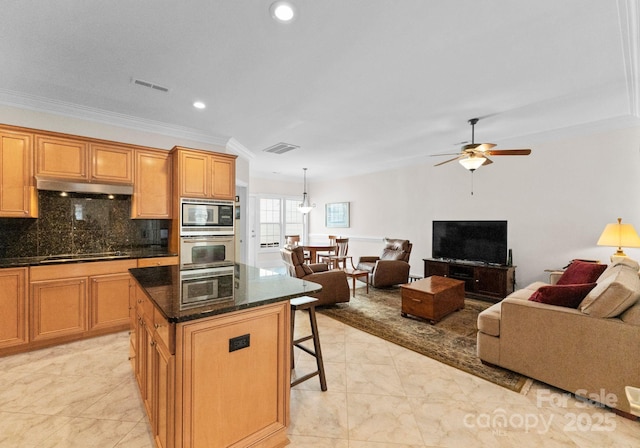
451	341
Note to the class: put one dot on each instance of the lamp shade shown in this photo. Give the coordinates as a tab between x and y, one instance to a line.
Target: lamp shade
472	162
619	235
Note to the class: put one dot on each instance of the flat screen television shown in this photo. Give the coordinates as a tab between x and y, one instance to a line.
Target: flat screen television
477	241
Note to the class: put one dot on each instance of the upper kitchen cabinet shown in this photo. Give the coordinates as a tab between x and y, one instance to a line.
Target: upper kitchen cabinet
152	186
111	163
83	161
18	195
62	158
203	174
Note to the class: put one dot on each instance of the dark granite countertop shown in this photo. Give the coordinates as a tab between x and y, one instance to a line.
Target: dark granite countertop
252	287
79	258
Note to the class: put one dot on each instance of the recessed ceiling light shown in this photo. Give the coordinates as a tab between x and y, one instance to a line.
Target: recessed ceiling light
199	105
283	11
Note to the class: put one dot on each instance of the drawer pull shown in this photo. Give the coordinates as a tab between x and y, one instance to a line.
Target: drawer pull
416	300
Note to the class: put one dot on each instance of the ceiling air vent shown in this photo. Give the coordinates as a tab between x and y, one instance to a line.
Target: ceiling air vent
150	85
280	148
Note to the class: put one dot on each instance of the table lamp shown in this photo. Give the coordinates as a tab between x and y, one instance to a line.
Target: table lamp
619	235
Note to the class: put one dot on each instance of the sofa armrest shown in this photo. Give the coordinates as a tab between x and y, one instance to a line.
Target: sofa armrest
569	349
319	267
390	272
335	287
368	259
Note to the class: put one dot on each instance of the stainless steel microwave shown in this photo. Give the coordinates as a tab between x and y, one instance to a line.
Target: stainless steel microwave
206	251
206	217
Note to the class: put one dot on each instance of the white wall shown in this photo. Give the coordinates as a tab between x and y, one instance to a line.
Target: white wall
557	201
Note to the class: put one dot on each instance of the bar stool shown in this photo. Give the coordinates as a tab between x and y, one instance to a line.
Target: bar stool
307	303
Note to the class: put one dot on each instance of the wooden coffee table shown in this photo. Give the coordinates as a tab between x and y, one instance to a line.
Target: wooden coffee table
432	298
354	274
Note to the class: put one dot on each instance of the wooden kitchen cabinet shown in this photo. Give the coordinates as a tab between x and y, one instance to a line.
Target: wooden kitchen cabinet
13	307
63	158
78	300
111	163
152	189
223	181
58	308
222	398
203	174
487	282
18	195
109	301
83	160
154	368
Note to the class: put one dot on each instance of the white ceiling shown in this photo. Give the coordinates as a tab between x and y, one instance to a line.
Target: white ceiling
359	85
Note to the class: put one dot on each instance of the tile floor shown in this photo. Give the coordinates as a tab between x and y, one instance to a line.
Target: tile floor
380	395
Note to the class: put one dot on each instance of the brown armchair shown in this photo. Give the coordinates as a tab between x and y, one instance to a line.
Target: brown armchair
335	288
391	267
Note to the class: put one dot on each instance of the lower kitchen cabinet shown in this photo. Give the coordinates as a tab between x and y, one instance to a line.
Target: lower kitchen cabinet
58	308
47	305
13	307
109	302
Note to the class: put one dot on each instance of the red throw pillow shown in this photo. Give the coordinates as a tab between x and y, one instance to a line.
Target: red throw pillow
562	295
580	272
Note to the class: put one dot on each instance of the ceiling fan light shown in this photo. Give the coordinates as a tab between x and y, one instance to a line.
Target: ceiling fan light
472	163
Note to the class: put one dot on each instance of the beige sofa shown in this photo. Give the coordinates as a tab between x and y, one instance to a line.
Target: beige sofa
592	351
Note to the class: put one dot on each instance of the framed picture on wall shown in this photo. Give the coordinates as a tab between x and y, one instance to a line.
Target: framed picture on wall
336	214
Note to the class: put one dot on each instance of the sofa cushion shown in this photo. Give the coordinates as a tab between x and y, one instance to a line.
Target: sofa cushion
624	263
632	315
562	295
581	272
613	295
489	320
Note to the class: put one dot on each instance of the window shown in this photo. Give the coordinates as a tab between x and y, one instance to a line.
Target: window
270	222
279	216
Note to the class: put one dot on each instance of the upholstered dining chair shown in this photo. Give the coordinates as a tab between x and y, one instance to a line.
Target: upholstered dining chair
340	256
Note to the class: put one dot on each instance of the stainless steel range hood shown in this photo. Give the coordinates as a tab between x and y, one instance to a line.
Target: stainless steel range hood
82	187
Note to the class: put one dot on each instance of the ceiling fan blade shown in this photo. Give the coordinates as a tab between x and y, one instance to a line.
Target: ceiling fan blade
487	162
446	154
508	152
447	161
484	147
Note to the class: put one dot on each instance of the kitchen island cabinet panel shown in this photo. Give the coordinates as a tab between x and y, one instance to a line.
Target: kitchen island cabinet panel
58	308
18	196
13	307
254	378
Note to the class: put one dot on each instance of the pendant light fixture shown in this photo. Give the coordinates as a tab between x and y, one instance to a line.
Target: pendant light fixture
305	207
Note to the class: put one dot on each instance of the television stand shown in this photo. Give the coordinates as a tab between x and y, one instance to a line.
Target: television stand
482	281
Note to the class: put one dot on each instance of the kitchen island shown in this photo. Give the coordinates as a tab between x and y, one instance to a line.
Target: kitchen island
214	372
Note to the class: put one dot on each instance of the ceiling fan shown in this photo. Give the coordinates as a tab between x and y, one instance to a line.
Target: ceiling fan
474	155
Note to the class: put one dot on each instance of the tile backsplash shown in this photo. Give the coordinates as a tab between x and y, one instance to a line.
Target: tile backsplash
79	224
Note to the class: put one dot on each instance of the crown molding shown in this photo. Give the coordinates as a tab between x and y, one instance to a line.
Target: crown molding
238	148
71	110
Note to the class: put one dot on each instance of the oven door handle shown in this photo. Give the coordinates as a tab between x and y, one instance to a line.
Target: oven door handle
202	240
